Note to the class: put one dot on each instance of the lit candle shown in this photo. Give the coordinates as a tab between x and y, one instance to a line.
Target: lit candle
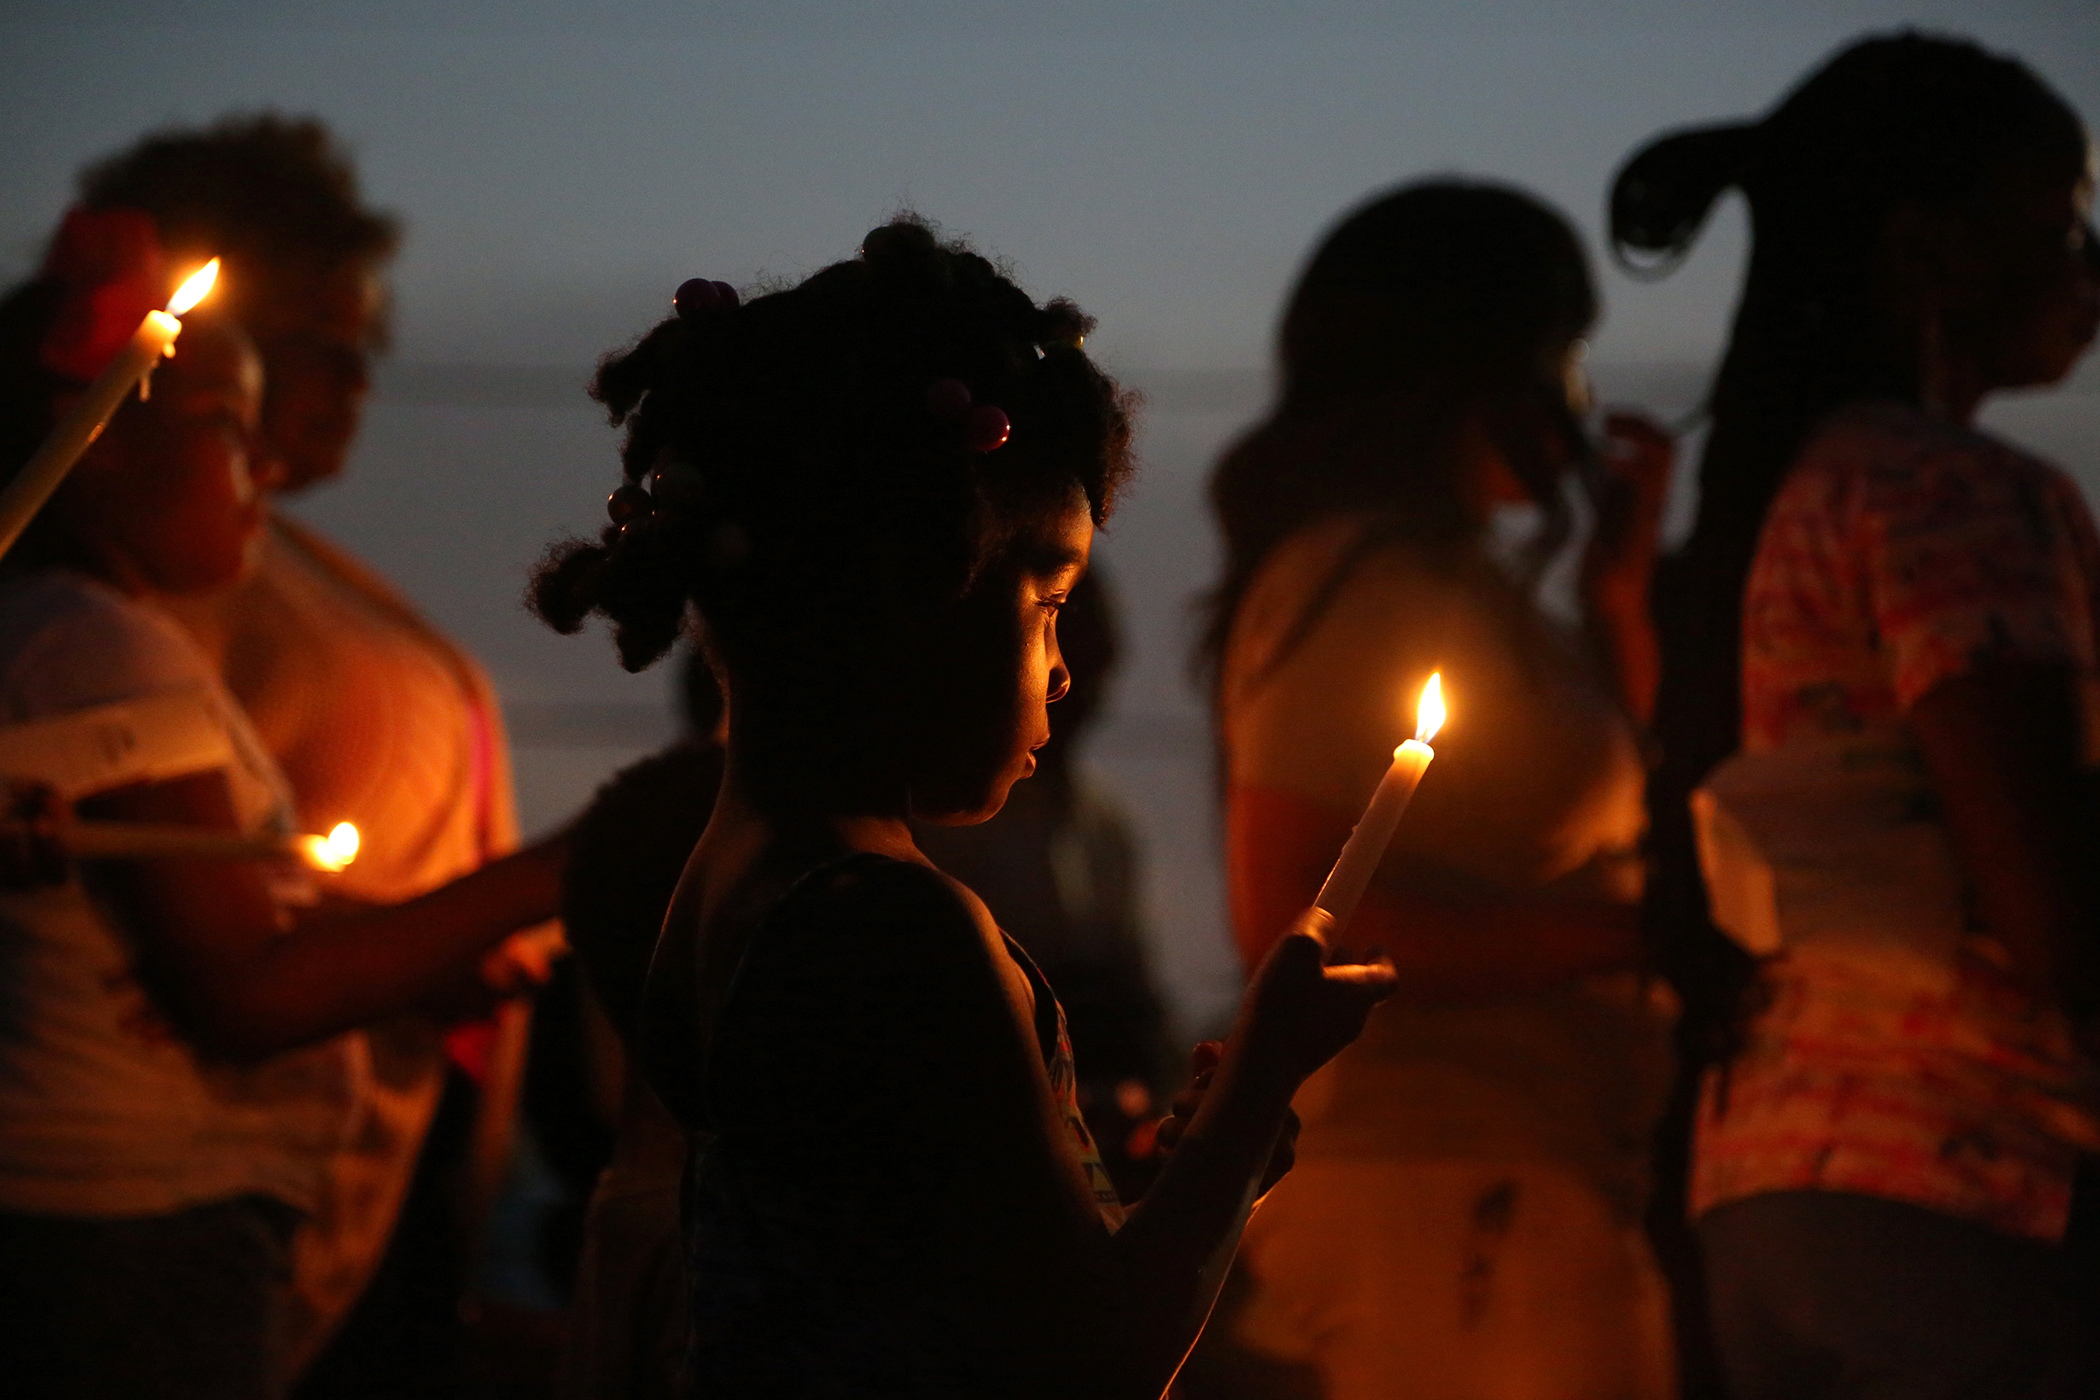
99	840
1365	848
155	337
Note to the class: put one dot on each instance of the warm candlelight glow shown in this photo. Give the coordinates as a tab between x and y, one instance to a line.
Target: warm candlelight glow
342	842
1429	715
333	851
192	291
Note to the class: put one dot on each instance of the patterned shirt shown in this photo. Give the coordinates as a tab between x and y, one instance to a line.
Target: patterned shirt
1900	553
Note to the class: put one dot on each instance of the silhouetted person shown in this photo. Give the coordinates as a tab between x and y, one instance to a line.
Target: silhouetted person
1880	658
879	487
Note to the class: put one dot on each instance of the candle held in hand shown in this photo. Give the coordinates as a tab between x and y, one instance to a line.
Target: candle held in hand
61	448
116	840
1351	875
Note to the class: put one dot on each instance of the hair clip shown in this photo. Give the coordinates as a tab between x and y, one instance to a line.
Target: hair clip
697	296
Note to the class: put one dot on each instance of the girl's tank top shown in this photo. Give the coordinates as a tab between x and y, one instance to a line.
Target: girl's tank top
806	1205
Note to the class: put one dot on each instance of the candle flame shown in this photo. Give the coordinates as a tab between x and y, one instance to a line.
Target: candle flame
193	291
1429	715
333	851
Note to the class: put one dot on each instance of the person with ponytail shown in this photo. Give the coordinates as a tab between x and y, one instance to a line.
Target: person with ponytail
179	1058
871	493
1879	668
1464	1218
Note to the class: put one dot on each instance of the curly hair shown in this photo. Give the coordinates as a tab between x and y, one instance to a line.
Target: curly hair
268	193
816	487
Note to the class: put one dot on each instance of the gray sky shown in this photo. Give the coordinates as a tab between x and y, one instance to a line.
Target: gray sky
562	168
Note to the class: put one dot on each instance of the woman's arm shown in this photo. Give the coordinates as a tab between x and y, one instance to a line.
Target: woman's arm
241	982
1454	940
1619	563
1449	938
2004	747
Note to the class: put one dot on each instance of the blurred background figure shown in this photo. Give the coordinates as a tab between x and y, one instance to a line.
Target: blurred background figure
620	1153
1465	1215
374	716
181	1063
1058	867
1886	615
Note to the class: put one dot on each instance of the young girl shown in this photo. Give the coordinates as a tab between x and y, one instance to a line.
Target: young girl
176	1062
878	487
1892	612
1465	1215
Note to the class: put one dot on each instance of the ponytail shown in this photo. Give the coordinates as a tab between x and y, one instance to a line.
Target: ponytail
1661	198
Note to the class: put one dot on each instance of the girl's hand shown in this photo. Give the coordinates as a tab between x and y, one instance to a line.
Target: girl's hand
1632	488
1308	1000
1203	1068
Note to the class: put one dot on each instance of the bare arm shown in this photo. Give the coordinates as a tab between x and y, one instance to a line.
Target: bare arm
1448	936
1619	563
242	983
1451	940
2004	747
1061	1303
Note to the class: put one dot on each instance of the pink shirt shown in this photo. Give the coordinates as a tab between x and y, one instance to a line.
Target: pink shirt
1900	553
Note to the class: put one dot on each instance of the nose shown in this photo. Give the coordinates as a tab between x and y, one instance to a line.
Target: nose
1060	680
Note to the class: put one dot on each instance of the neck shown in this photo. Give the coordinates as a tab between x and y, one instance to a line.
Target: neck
1952	388
802	771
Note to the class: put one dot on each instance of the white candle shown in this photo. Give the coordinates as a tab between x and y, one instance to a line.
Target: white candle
1351	875
100	840
61	448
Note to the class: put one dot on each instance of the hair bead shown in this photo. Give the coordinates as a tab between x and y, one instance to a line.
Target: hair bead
949	400
698	296
676	482
629	502
988	428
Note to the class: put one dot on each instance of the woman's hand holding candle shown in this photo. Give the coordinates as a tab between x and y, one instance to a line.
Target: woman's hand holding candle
1365	848
83	423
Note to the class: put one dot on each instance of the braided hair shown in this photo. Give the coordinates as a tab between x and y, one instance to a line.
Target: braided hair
803	481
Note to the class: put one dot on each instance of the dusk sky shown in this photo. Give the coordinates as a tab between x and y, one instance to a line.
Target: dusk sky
560	168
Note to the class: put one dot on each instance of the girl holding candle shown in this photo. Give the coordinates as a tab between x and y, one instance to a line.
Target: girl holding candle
1465	1215
1881	671
176	1062
877	488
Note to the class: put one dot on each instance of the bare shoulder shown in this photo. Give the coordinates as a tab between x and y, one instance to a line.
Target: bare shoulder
898	911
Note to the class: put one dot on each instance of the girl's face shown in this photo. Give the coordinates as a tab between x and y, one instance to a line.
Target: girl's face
991	671
2029	286
166	500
